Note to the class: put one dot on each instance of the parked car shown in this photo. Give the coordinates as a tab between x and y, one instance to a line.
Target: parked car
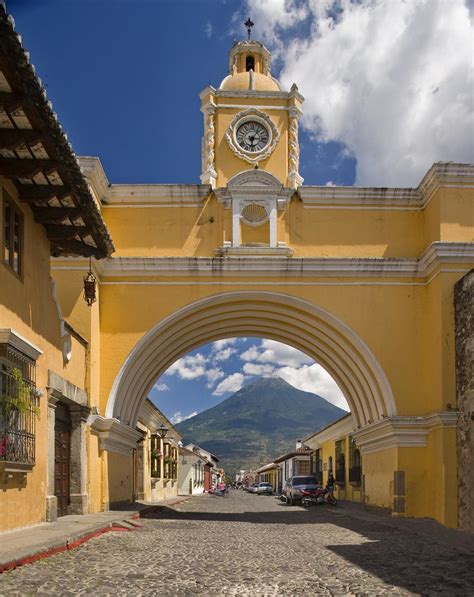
295	485
264	488
253	488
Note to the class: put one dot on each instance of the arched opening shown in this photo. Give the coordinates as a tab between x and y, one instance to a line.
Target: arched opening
249	63
276	316
267	396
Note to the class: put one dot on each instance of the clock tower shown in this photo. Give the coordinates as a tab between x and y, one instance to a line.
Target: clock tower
250	122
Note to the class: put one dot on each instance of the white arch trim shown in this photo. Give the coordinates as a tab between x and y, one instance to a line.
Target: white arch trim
276	316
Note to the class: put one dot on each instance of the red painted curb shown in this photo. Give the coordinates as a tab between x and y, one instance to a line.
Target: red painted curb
54	550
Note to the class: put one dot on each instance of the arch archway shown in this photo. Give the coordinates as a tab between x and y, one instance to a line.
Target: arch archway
276	316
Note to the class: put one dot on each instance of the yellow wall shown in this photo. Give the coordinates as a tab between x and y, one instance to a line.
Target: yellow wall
27	306
120	478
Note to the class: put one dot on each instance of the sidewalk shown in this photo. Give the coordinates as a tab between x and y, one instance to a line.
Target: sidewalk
33	543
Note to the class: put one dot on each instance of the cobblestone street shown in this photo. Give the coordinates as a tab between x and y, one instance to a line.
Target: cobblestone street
255	545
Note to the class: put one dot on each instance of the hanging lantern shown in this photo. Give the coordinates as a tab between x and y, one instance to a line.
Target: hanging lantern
89	286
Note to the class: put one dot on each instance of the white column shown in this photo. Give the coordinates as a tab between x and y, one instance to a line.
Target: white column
235	222
273	225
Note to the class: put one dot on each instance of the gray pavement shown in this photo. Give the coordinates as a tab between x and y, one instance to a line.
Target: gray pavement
255	545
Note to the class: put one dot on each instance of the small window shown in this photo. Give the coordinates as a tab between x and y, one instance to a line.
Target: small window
12	235
250	63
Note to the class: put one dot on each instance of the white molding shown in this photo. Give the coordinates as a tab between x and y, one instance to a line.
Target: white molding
270	263
275	315
94	172
156	195
20	343
249	251
441	174
340	428
402	432
213	92
114	436
257	107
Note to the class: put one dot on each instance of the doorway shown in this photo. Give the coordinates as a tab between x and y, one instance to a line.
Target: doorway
62	458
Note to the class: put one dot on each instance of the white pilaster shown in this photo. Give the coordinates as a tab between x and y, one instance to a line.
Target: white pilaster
273	225
235	222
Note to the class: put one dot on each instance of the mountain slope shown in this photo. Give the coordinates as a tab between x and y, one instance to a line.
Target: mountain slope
259	422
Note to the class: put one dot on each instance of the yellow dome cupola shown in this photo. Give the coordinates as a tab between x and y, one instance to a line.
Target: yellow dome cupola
249	68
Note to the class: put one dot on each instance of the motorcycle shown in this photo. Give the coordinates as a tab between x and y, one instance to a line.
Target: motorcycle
320	495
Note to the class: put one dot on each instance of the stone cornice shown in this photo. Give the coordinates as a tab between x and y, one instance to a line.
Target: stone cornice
114	436
20	343
333	431
402	432
146	195
216	93
441	174
248	266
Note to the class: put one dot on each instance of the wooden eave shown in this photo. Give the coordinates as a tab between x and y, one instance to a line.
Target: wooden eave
36	156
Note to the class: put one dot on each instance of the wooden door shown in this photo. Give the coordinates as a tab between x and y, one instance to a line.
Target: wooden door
62	458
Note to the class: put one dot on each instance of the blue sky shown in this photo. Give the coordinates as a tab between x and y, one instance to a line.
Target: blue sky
388	88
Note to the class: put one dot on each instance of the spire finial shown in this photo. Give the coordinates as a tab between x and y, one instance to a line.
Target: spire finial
249	24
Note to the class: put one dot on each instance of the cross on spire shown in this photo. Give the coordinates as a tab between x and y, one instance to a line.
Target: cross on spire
249	24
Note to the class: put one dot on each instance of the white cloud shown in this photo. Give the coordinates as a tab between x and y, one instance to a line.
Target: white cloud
188	367
213	375
230	384
178	417
391	80
277	353
260	370
224	354
269	15
220	344
161	387
208	29
315	379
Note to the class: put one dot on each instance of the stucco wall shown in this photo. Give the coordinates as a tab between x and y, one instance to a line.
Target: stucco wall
27	305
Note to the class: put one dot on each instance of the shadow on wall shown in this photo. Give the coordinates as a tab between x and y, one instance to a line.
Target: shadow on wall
378	543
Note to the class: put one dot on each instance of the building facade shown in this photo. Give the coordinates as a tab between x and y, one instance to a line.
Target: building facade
157	463
191	472
45	389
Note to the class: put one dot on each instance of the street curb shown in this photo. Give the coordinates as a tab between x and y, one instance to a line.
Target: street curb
59	546
68	543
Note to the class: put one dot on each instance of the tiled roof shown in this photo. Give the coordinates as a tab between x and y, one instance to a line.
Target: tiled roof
36	156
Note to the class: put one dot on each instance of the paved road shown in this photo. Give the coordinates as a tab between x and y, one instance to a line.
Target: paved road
255	545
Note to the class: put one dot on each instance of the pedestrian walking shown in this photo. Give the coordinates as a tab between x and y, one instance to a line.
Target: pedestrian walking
331	483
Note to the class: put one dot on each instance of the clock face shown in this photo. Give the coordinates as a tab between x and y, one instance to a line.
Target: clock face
252	136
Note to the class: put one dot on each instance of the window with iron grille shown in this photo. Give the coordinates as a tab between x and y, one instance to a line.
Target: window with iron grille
155	457
12	235
19	407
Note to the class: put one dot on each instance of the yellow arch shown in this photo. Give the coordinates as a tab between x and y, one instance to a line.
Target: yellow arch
276	316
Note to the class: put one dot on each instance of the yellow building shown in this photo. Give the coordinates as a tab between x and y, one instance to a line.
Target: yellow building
156	456
269	474
360	279
335	450
45	207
